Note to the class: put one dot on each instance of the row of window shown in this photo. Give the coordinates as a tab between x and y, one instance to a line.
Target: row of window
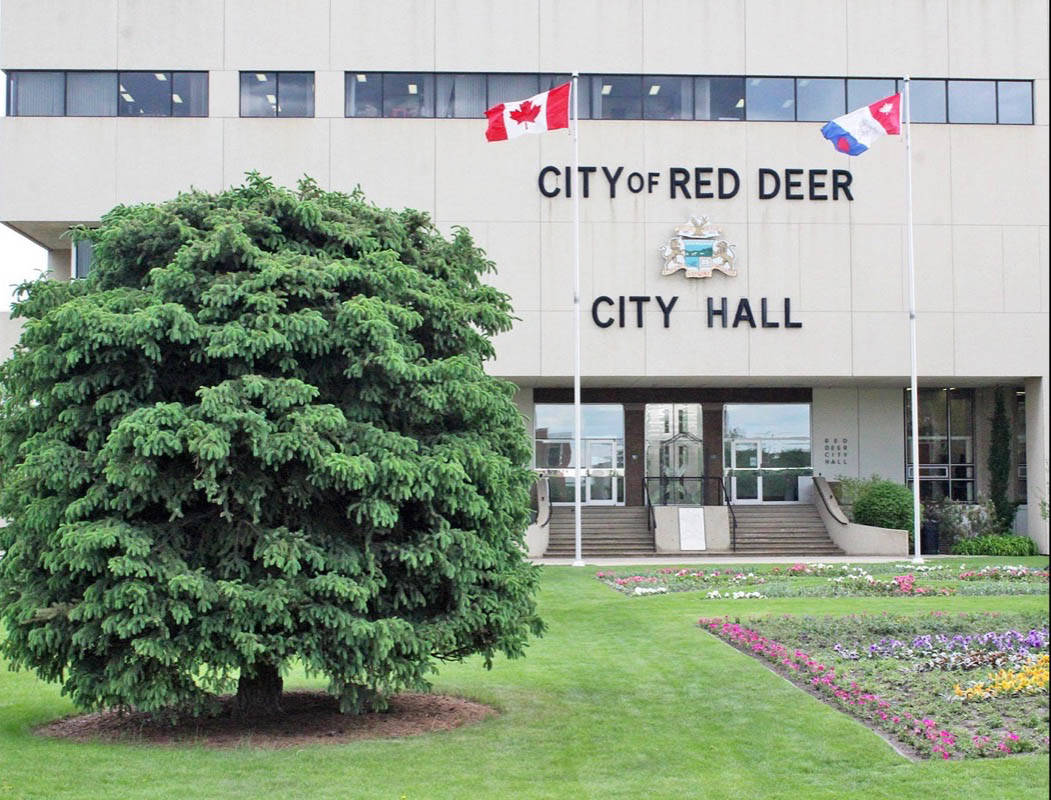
468	95
107	94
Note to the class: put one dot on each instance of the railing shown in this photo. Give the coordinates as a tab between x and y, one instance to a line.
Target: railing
541	514
651	522
690	491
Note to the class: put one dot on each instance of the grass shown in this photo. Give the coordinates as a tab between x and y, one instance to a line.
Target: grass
623	698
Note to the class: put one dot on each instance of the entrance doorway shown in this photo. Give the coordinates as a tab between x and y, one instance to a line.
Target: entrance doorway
601	472
766	451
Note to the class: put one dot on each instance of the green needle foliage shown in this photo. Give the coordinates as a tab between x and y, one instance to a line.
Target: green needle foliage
999	462
260	432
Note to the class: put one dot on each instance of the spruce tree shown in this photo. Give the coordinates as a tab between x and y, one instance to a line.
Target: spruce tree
260	433
999	462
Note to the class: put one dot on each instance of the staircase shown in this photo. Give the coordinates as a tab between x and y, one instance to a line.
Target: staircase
782	530
604	531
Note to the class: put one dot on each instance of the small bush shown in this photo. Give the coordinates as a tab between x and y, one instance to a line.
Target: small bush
995	545
884	504
964	520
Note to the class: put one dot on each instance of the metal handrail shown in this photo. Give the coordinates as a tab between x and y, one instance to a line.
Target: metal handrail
651	520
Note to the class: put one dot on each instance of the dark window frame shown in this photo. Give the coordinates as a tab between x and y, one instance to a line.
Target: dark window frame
949	464
277	73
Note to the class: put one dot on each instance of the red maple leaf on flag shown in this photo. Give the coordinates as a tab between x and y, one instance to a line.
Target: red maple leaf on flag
525	113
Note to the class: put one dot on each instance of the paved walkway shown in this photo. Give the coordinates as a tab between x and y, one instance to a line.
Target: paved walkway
716	558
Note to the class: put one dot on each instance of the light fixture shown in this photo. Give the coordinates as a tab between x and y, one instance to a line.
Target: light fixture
176	98
361	77
120	86
804	81
413	88
787	104
655	88
271	99
160	76
756	81
127	97
739	103
606	88
260	76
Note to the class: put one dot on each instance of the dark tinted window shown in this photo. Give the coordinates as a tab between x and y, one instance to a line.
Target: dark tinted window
667	97
972	101
407	94
36	94
770	98
145	94
865	91
190	94
364	94
583	95
820	99
83	253
1015	102
91	94
616	96
718	98
461	96
277	94
258	94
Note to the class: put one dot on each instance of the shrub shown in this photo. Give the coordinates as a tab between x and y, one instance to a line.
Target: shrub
964	520
995	545
884	504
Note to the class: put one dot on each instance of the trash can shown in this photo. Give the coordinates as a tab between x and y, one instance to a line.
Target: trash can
929	538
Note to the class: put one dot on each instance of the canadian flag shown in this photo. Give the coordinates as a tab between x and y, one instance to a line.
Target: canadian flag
546	111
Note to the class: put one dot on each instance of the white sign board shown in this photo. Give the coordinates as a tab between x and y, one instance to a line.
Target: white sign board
691	529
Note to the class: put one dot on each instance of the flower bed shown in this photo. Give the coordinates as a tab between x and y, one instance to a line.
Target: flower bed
833	580
924	680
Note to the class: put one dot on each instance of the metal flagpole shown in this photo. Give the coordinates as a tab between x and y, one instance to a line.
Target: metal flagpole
914	400
578	560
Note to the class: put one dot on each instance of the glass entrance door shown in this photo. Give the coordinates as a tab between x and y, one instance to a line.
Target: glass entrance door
602	474
747	480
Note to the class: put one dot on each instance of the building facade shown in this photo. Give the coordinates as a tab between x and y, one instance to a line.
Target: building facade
700	153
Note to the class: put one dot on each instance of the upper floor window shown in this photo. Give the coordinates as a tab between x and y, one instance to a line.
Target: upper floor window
277	94
107	94
683	97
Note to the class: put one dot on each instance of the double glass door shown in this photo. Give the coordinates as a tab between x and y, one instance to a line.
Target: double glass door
746	481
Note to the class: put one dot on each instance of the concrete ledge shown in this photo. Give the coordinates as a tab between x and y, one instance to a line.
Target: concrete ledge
666	533
852	538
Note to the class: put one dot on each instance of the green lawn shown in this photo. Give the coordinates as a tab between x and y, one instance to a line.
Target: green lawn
624	697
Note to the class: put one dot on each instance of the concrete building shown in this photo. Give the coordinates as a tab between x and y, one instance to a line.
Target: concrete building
704	110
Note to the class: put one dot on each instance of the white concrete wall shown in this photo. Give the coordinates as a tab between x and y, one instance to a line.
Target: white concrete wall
981	217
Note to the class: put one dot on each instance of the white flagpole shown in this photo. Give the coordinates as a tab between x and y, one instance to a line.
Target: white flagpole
914	401
578	560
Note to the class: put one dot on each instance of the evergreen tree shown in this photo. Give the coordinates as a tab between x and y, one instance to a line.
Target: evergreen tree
999	462
260	432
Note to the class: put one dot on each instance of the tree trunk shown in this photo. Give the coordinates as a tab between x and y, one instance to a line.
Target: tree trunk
259	692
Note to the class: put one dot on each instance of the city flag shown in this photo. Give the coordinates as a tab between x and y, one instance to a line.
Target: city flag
546	111
854	133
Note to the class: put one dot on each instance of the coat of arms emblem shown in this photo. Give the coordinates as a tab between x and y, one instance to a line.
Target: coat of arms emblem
698	250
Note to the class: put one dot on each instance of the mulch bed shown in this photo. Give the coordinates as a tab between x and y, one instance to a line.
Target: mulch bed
309	718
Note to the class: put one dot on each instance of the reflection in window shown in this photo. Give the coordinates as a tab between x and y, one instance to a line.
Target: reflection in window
91	94
36	94
363	94
719	98
616	96
461	96
277	94
583	95
408	94
1014	102
667	97
770	98
865	91
820	99
972	101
